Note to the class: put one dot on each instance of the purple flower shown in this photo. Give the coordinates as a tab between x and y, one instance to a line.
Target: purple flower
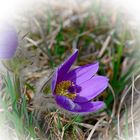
8	40
74	89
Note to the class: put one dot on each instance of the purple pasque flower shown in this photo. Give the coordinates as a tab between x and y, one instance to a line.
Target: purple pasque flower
74	89
8	40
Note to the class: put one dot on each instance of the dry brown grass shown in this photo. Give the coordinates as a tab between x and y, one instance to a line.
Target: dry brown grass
53	122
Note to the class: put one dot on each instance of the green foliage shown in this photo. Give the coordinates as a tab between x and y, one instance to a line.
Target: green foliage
18	117
58	48
119	81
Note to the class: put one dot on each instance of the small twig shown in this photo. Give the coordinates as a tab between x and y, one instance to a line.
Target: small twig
62	135
43	37
54	36
135	86
94	128
24	35
38	42
89	126
104	46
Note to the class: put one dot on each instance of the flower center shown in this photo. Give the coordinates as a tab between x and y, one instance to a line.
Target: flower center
62	88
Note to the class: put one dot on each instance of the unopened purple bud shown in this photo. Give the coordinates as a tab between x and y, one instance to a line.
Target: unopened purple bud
8	40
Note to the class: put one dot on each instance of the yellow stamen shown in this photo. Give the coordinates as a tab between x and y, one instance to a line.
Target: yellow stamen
62	89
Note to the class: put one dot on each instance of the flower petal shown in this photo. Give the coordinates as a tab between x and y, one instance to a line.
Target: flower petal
82	73
54	80
65	103
91	88
87	107
90	107
64	67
